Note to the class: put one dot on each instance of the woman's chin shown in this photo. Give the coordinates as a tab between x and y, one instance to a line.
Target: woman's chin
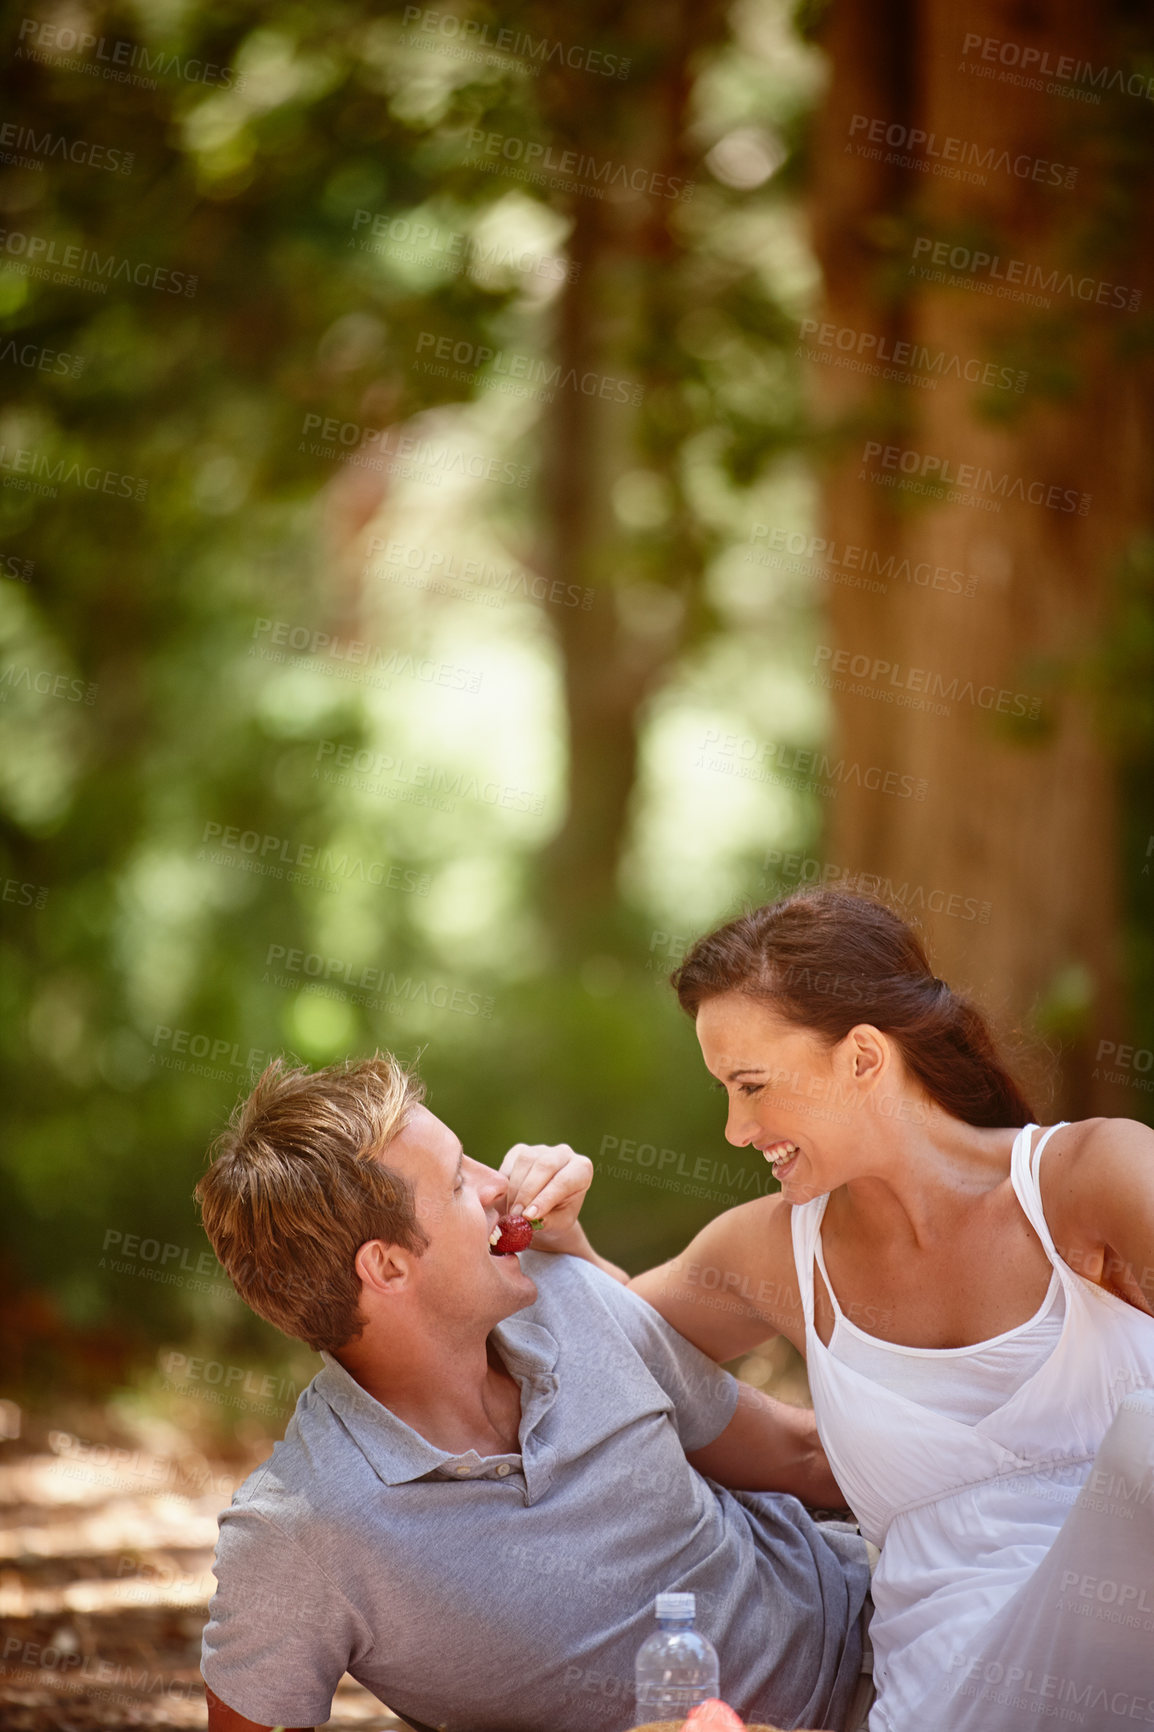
797	1190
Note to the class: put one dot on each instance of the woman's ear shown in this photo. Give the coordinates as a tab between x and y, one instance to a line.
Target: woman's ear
869	1053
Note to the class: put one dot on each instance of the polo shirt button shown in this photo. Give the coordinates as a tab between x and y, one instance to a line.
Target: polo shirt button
463	1472
503	1470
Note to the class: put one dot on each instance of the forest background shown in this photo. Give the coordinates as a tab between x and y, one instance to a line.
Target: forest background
490	492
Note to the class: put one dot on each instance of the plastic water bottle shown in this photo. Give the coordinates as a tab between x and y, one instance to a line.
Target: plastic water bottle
676	1666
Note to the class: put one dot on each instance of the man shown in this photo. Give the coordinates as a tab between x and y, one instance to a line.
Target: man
501	1464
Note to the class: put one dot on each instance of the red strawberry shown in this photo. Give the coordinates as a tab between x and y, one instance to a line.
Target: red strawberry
713	1716
512	1233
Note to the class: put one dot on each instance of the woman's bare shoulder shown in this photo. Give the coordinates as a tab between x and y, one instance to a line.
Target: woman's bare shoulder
1086	1153
1096	1135
1097	1184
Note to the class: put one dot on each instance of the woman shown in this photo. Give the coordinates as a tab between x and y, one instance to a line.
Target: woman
975	1299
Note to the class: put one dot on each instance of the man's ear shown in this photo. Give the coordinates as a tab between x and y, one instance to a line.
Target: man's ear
383	1268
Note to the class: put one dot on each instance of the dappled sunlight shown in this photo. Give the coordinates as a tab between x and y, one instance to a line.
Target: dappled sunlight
105	1578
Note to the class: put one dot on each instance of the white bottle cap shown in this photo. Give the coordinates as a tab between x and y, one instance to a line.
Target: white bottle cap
676	1605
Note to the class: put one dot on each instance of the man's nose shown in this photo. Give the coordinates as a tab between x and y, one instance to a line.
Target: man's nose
492	1186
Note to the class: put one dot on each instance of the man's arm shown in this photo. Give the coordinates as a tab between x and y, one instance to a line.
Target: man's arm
222	1718
770	1446
280	1633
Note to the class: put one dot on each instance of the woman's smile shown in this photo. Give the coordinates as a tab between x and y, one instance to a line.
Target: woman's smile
782	1156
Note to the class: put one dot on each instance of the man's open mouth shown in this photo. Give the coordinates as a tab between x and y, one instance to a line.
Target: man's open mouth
511	1234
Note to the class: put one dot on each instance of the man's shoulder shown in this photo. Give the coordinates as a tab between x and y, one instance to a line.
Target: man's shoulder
308	1468
575	1298
612	1346
559	1278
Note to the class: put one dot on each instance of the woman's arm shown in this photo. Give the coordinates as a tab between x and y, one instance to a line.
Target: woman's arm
574	1242
770	1446
734	1285
1097	1182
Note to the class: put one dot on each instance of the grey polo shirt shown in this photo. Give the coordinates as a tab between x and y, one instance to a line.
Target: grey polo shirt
510	1593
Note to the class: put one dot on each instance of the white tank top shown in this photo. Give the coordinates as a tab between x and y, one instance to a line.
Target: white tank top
964	1511
964	1383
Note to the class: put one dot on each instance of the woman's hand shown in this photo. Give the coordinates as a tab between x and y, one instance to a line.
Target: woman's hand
548	1182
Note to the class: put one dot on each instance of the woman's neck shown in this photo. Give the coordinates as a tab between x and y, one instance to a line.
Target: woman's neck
921	1178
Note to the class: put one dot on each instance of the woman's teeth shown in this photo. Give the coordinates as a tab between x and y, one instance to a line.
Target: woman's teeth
781	1154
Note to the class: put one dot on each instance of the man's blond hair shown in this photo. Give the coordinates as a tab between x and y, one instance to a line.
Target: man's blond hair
295	1189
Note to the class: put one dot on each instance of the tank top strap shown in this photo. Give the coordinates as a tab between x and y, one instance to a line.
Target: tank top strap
1024	1167
805	1225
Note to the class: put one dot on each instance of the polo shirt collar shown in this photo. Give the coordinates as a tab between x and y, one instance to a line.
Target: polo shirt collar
396	1452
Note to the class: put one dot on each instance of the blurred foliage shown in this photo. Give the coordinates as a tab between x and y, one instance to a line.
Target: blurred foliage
284	160
254	267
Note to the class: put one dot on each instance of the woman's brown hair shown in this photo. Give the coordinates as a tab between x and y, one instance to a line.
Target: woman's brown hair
827	960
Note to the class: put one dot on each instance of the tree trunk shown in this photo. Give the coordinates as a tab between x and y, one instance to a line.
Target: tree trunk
1020	809
616	652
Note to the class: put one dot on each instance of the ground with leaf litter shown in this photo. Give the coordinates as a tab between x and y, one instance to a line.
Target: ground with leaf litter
105	1555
